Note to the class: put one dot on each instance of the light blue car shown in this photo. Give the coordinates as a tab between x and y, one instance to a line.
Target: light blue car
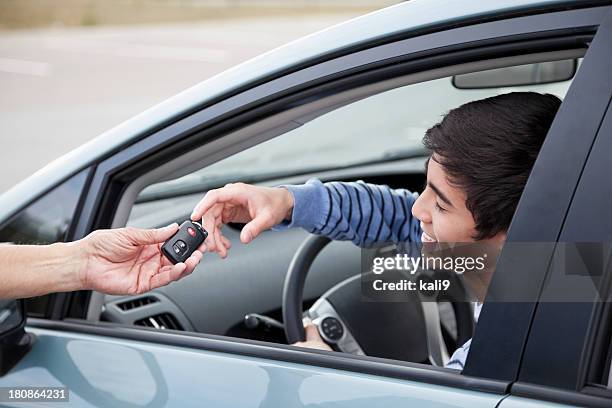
349	102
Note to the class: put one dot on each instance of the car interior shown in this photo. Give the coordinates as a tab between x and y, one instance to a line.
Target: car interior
371	133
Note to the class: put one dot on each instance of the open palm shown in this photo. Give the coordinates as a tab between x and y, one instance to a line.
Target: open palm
130	261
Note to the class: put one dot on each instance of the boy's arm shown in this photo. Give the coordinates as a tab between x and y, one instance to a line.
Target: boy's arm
360	212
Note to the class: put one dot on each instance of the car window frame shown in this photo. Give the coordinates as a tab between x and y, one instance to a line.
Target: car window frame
81	179
547	179
113	173
574	378
544	374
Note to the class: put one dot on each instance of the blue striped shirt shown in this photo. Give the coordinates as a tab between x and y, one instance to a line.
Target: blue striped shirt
363	213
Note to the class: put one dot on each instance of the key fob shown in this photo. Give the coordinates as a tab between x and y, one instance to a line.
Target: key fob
186	240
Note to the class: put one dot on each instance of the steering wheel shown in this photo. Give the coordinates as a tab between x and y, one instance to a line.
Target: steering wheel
393	330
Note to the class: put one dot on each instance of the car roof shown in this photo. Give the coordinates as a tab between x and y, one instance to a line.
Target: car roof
400	18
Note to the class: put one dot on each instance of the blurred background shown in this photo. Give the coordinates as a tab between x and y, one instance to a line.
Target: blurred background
71	69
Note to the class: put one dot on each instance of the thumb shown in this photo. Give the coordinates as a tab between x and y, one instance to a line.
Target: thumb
252	229
151	236
312	332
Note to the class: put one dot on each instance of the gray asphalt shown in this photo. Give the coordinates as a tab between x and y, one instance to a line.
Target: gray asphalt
61	87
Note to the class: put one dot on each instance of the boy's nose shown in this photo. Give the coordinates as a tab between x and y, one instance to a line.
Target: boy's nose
419	210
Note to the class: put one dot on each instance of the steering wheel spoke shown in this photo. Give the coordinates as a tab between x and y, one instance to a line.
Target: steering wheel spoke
332	328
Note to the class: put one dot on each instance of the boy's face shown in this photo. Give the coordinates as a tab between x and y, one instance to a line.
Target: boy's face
442	211
445	218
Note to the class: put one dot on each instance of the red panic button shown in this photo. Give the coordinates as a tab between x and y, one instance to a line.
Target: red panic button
191	231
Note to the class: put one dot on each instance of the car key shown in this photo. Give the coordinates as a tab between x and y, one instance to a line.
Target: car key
186	240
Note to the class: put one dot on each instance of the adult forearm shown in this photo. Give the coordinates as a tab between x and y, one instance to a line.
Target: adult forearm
33	270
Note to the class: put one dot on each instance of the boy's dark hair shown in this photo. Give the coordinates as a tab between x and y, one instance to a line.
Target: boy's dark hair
488	148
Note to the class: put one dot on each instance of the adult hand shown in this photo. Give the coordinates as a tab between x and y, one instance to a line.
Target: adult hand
260	208
129	261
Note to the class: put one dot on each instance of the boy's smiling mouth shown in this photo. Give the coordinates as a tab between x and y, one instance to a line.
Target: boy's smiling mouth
425	237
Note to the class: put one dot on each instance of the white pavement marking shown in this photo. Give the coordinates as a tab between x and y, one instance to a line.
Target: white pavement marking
17	66
173	52
93	86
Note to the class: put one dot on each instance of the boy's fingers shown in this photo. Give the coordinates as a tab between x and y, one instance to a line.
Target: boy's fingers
220	195
252	229
221	250
312	333
226	242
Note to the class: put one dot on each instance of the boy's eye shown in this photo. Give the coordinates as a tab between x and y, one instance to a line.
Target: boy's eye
438	208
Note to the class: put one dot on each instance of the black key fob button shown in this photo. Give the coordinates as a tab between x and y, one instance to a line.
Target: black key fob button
186	240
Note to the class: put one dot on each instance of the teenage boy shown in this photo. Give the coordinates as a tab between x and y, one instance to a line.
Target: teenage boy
481	155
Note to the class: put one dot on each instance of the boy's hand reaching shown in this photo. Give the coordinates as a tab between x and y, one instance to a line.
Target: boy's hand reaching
260	208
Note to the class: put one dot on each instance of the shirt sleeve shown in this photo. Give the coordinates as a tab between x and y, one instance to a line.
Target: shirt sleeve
363	213
457	360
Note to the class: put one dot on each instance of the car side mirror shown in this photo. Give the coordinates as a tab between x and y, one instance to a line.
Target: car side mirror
14	341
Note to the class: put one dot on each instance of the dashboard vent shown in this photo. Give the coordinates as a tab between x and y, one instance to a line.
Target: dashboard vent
135	303
161	321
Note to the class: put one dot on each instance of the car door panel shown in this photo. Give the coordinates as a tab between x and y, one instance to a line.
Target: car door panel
107	371
519	402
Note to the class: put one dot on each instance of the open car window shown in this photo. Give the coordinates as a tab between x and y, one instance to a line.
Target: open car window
384	128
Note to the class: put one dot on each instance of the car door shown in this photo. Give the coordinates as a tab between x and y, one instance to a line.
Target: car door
105	364
567	356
